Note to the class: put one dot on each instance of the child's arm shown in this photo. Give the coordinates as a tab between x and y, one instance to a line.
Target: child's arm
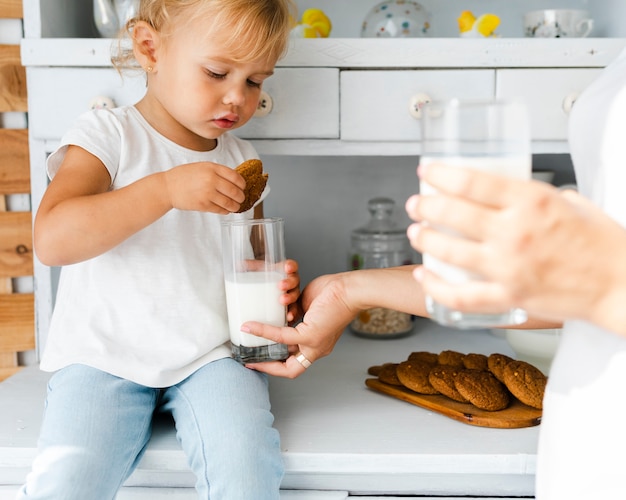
80	217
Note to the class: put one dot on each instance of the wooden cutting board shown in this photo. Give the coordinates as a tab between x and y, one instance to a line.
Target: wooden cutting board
517	415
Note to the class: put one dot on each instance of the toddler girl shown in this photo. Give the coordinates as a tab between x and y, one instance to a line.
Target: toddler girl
133	214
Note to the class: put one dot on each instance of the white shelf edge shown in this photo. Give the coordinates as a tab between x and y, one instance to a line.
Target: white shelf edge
374	53
307	147
321	147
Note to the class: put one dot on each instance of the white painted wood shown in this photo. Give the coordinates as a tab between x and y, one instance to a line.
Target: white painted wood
375	104
32	19
335	433
373	53
9	492
42	275
57	96
305	105
544	91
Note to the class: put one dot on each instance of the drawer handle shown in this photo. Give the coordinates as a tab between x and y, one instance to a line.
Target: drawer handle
568	102
265	105
416	103
101	102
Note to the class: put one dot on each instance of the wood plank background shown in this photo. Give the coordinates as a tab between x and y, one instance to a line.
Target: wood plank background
12	80
17	310
11	9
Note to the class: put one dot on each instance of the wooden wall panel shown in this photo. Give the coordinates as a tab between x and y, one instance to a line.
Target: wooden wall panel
12	80
14	162
16	244
17	310
17	322
11	9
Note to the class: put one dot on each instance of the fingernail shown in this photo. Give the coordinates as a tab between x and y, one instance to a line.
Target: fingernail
421	170
418	274
413	231
244	328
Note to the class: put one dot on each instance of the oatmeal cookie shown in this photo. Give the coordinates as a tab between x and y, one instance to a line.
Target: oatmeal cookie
414	376
452	358
252	172
526	382
388	374
442	378
482	389
496	363
473	361
425	356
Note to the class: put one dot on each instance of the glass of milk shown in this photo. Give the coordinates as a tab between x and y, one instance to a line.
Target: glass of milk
488	135
254	255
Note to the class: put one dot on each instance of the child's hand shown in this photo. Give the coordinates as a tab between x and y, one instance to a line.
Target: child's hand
291	287
204	187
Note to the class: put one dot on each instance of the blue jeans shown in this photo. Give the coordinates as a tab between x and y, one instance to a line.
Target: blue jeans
96	427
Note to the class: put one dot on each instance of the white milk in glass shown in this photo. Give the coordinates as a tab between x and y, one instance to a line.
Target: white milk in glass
253	296
510	166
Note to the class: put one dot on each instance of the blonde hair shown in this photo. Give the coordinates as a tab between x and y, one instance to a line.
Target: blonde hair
256	28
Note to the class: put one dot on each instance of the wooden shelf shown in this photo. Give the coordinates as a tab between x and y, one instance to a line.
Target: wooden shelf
372	53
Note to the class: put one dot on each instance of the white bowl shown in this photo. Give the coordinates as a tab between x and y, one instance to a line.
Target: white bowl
536	347
396	19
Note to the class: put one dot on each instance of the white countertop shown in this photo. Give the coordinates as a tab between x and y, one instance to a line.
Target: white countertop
336	434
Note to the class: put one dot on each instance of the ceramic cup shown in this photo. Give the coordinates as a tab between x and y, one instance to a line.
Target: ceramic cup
558	23
254	255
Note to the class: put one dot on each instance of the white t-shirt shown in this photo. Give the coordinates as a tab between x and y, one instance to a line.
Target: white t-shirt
582	444
151	310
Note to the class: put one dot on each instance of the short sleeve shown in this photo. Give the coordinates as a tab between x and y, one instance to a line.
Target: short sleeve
97	132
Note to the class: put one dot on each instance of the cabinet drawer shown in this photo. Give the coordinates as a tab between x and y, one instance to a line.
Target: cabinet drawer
548	93
375	104
305	101
57	96
304	104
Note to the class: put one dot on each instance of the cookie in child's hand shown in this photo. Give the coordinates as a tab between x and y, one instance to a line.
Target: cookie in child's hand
252	172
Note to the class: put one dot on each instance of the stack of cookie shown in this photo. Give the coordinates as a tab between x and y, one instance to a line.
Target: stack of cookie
487	382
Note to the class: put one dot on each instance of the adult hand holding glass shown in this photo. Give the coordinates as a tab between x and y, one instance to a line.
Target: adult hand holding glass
552	253
330	302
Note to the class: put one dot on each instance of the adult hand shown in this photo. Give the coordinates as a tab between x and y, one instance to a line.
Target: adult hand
327	315
551	252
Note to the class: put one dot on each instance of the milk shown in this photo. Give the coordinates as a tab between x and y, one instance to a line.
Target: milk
253	296
518	167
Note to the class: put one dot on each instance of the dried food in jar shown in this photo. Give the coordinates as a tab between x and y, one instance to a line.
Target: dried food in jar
382	322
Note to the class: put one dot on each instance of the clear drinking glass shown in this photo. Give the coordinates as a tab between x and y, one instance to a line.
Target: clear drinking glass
492	136
254	255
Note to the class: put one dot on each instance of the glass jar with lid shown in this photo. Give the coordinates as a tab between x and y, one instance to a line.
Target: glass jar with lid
379	244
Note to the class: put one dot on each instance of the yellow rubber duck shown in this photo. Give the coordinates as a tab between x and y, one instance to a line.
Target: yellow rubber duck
314	24
485	25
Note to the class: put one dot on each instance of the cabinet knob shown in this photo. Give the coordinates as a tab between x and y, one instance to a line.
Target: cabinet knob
101	102
416	103
265	105
568	102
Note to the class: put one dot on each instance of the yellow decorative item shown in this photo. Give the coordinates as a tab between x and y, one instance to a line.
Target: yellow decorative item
314	24
483	26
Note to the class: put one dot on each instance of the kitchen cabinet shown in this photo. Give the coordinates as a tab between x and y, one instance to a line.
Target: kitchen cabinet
383	105
333	103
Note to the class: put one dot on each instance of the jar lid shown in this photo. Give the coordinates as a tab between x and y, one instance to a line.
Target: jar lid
381	225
